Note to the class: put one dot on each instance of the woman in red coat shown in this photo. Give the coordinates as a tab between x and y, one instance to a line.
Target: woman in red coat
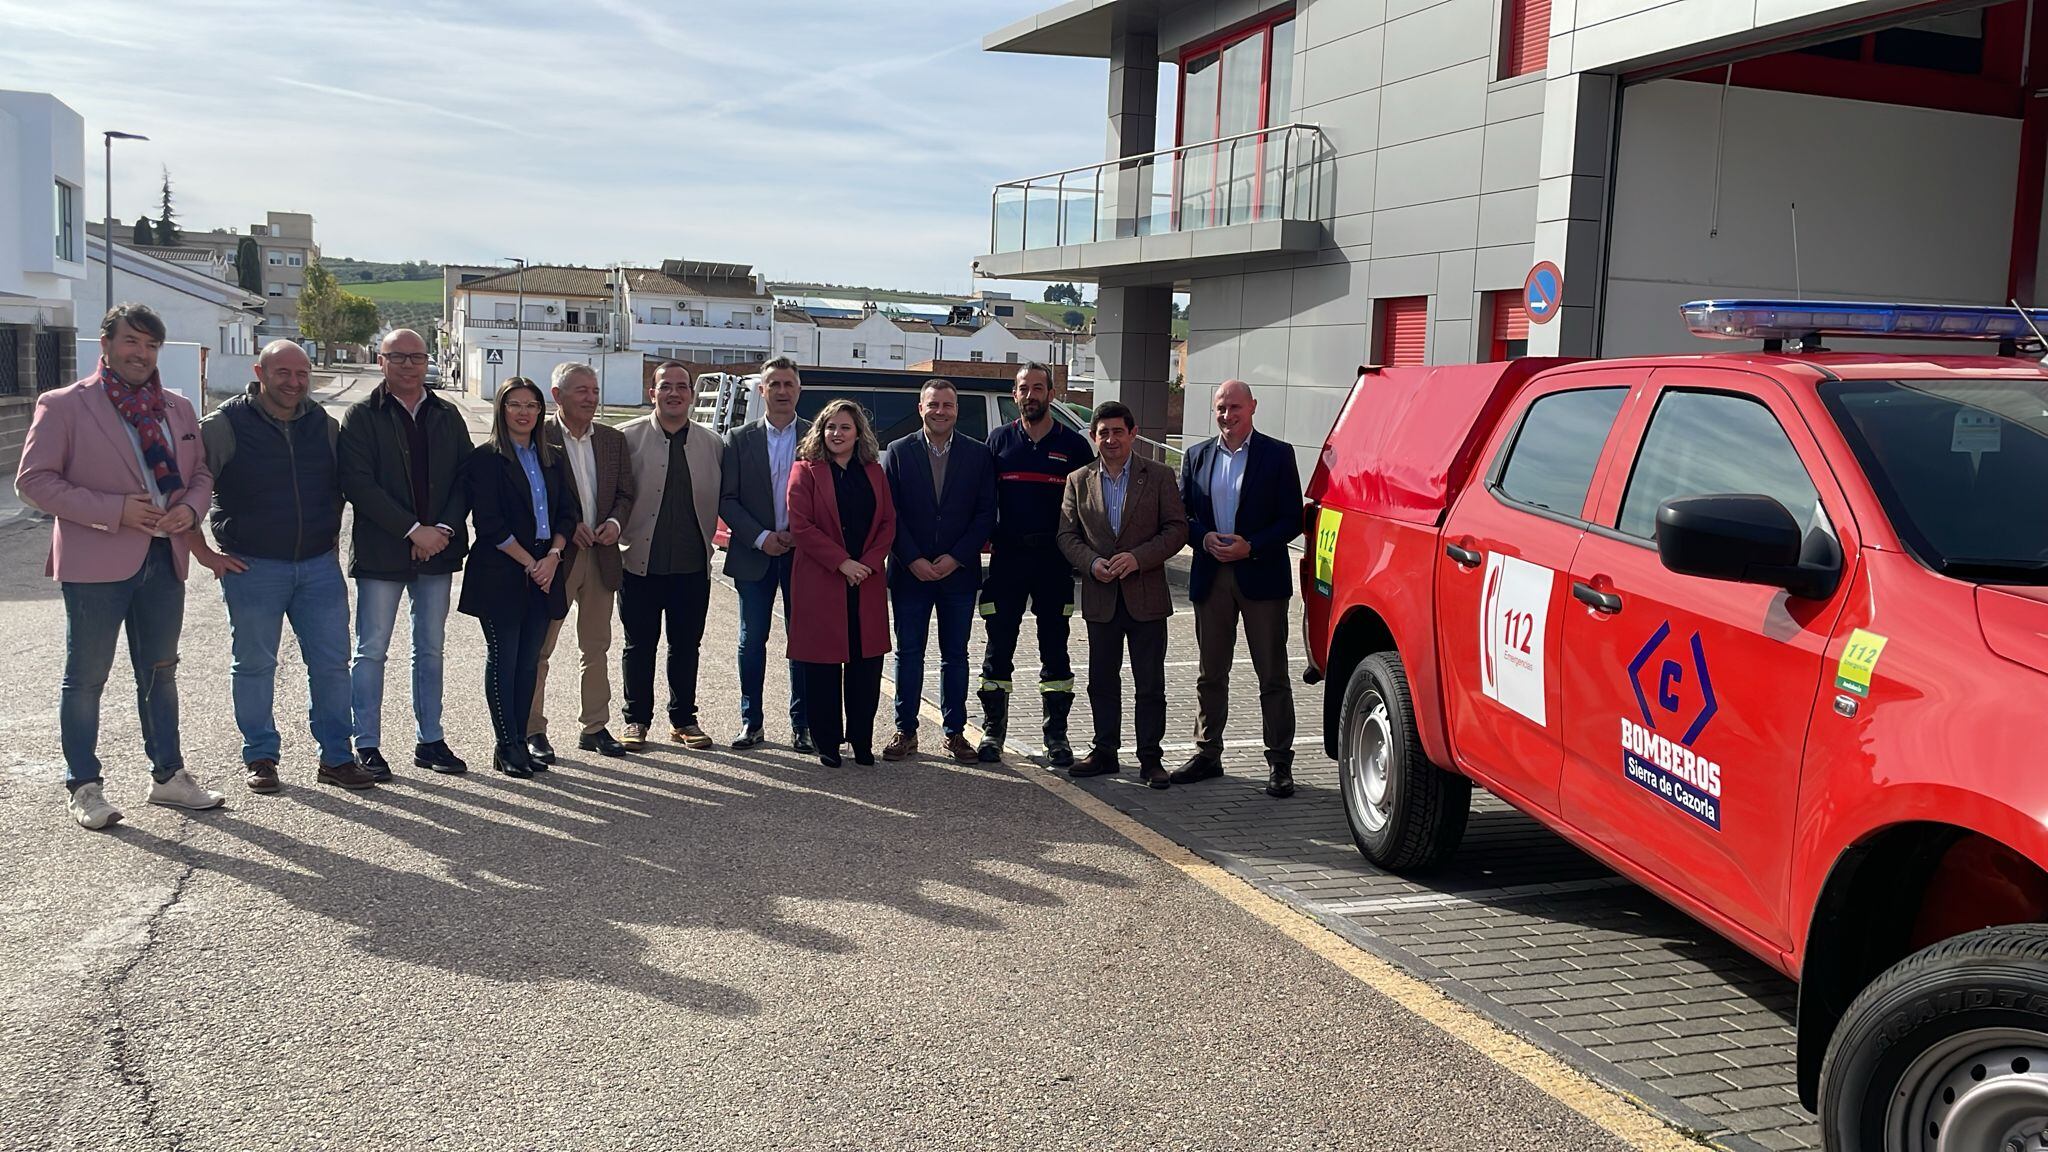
843	521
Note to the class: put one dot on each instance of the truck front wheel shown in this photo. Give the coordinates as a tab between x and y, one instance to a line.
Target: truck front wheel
1948	1049
1406	814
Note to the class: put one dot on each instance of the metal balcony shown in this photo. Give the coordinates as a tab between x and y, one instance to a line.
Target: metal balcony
1249	194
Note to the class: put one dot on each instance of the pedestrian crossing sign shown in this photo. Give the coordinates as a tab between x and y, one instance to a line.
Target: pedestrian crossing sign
1328	521
494	355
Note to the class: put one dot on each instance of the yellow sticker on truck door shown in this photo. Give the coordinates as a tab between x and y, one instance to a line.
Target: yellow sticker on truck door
1328	521
1859	662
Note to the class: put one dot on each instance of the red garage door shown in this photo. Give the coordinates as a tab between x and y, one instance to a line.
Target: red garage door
1404	331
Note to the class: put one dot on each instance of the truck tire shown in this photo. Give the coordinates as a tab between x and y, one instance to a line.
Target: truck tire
1406	814
1946	1049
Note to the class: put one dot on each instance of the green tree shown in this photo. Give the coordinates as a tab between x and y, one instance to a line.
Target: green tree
167	220
249	265
1073	319
331	314
144	234
1063	294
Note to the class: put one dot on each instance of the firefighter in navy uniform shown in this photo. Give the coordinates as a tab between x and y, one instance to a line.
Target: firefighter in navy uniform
1033	456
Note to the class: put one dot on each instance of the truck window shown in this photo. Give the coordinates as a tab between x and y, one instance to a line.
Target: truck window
1550	464
1713	444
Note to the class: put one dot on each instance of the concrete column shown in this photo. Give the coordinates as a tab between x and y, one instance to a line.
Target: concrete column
1571	207
1133	129
1134	350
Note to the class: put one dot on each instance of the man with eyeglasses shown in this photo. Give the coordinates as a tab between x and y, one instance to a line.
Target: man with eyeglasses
399	456
666	552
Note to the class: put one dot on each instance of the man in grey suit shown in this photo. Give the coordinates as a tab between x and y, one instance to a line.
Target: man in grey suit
753	502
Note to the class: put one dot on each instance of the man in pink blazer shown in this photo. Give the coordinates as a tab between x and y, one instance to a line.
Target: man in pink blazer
116	459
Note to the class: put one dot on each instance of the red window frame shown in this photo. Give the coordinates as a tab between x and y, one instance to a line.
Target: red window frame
1525	37
1508	320
1261	26
1404	332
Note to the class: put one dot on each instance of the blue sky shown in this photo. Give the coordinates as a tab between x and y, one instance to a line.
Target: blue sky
846	141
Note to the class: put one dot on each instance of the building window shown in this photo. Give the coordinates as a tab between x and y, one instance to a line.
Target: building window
1240	83
67	224
1009	357
276	259
975	356
1525	37
291	291
275	288
1006	309
789	343
295	260
505	311
860	351
1509	338
659	315
895	351
1403	337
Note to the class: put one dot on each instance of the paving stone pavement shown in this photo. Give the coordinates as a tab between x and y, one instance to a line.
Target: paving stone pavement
1521	925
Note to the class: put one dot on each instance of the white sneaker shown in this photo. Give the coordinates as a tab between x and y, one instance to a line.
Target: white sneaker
182	791
89	807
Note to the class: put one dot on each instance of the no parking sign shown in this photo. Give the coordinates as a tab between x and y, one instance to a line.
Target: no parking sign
1542	291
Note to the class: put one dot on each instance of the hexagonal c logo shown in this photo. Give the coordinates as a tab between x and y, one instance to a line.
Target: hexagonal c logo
1670	677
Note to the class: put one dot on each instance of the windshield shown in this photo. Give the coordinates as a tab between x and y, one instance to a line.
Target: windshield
1961	467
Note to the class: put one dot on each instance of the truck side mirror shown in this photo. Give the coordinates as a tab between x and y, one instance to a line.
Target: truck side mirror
1747	539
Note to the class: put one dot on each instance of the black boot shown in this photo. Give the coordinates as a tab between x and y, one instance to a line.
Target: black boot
995	724
1057	705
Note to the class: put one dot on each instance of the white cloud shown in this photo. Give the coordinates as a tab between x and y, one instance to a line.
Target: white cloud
847	142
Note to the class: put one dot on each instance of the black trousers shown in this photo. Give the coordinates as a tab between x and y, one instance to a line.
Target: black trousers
1146	640
1043	582
645	602
511	661
861	682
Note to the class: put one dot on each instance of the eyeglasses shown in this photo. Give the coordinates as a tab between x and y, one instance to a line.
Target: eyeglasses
404	357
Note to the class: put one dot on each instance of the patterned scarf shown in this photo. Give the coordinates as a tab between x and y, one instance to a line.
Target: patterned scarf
143	408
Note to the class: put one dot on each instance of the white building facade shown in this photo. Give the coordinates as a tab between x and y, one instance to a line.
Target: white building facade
1347	182
879	340
525	322
701	312
42	255
198	309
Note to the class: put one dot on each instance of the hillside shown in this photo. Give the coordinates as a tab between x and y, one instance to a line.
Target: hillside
414	304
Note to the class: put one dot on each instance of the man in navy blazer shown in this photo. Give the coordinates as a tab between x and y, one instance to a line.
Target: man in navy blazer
1243	496
944	485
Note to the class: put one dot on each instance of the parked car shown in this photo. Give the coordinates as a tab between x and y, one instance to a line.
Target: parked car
433	374
1766	633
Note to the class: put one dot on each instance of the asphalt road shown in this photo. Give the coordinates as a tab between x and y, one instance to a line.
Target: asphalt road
711	950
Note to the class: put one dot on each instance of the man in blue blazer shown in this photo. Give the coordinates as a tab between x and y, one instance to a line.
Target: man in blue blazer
944	485
1243	496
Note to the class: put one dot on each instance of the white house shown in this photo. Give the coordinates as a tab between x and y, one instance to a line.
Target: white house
42	254
880	340
701	312
217	316
524	323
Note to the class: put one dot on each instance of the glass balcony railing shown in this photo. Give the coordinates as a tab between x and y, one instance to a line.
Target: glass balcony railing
1269	174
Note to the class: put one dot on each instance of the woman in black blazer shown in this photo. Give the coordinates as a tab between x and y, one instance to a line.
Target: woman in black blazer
524	514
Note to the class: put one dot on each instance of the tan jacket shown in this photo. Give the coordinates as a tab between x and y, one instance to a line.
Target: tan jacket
1155	526
648	446
614	496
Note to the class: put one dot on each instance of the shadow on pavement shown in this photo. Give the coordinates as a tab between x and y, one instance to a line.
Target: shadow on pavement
552	879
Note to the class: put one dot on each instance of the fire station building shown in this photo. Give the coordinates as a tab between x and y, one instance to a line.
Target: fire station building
1375	181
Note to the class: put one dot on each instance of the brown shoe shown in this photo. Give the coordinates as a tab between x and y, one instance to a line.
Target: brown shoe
900	745
347	774
690	736
262	776
960	750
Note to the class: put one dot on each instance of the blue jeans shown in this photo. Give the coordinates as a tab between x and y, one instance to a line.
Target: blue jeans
376	614
151	605
913	604
311	593
757	611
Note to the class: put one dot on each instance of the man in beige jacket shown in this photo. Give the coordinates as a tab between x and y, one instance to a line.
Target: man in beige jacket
666	552
1120	520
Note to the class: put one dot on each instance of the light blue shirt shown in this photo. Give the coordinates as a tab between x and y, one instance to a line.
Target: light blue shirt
536	483
1226	483
1113	489
781	458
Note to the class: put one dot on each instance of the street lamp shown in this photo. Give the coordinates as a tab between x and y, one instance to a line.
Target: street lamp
109	218
519	332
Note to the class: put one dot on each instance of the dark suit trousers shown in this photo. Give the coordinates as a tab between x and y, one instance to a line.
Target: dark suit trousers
1265	633
861	681
644	603
1147	642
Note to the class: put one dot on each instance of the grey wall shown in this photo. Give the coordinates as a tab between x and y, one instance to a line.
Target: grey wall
1433	193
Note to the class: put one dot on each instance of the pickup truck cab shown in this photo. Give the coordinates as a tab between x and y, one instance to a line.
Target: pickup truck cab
1766	633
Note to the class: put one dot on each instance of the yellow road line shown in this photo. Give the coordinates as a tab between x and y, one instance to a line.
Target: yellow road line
1622	1116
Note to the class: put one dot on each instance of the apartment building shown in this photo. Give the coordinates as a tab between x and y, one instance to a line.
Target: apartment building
285	244
1345	182
882	339
524	322
699	311
42	256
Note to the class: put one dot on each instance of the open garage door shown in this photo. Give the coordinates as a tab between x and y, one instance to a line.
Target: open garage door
1901	162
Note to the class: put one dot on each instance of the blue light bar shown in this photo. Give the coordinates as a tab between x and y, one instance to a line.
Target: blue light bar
1797	319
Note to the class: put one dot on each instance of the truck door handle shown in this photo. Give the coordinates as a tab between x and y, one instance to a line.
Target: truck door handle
1595	599
1465	557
